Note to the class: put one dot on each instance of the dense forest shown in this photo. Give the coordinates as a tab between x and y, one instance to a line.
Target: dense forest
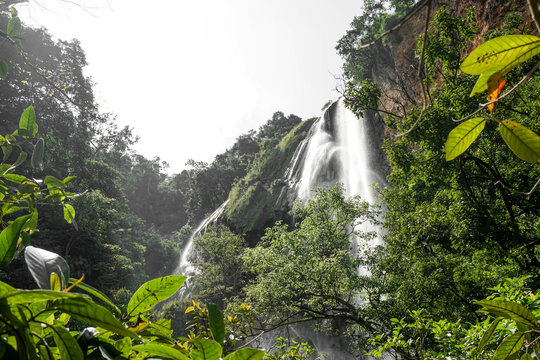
100	229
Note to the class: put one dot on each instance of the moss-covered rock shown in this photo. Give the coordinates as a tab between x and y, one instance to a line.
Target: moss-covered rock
253	199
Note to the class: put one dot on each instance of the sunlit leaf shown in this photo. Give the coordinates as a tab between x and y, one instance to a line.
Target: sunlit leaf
509	310
51	181
69	213
14	26
481	84
501	53
42	263
246	354
67	345
509	346
153	292
488	334
522	141
95	292
495	85
27	123
215	318
86	310
3	69
55	282
160	350
206	350
8	239
32	296
462	136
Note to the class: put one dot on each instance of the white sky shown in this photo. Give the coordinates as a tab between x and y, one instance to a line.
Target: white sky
191	76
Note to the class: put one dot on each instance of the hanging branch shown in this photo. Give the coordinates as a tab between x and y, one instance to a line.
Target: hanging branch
419	74
535	13
400	24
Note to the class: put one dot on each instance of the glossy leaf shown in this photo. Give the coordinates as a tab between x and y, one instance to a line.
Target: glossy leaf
488	334
217	325
481	84
95	292
526	357
51	181
509	346
153	292
522	141
42	263
32	296
3	69
246	354
27	123
69	213
501	53
67	345
160	350
37	155
462	136
510	310
8	239
55	282
206	350
86	310
14	26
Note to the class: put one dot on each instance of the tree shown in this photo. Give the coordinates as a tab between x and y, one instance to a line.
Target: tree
310	273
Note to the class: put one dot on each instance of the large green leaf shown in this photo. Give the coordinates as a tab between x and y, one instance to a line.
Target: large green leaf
217	325
14	26
523	142
462	136
92	313
153	292
509	346
481	84
27	123
501	53
488	334
8	239
206	350
42	263
67	345
510	310
161	350
95	292
69	213
246	354
32	296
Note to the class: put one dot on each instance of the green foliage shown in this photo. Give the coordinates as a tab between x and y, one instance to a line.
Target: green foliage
34	322
153	292
361	97
217	258
309	271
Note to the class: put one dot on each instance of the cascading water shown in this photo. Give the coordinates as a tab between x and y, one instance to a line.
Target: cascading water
337	149
185	267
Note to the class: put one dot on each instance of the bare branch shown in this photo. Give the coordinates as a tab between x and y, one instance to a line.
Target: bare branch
535	13
400	24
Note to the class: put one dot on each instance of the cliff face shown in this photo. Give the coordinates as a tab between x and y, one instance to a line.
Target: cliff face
395	64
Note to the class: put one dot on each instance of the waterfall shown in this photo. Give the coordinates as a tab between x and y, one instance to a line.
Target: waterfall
336	150
185	267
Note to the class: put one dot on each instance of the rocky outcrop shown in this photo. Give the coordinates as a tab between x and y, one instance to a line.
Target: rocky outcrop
395	64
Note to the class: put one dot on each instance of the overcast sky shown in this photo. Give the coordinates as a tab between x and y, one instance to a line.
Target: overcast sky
191	76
